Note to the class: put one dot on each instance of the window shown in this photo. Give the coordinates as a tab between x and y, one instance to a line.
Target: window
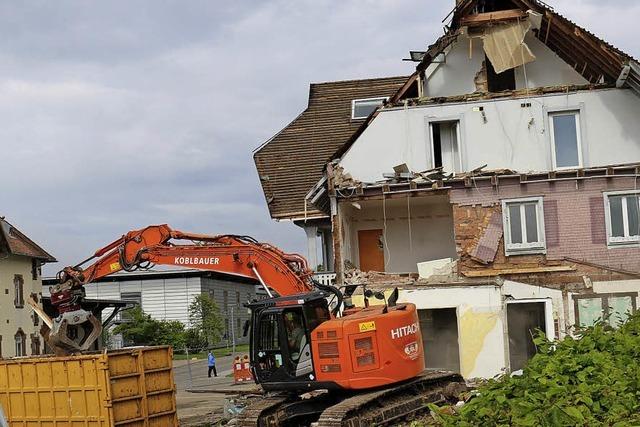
565	135
612	308
361	108
622	211
225	300
34	315
21	343
445	145
35	344
36	270
238	298
18	283
523	226
268	337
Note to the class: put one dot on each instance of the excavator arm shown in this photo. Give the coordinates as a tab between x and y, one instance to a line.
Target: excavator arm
76	329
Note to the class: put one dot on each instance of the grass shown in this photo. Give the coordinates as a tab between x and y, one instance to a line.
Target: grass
217	352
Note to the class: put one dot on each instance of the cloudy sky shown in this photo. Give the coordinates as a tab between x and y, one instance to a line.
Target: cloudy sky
115	115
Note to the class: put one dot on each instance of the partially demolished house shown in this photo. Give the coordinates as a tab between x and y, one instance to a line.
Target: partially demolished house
498	187
291	163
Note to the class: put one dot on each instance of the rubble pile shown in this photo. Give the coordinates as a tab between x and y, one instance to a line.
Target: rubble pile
342	179
376	279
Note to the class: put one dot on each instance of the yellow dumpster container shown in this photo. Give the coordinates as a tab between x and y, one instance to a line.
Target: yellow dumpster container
130	387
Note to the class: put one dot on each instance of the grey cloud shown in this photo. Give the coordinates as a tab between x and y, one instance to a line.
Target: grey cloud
120	114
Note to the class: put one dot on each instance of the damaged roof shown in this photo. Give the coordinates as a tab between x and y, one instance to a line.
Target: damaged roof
595	59
15	242
292	161
599	62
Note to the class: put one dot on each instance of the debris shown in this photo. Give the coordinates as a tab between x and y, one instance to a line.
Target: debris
342	179
505	47
441	267
403	168
487	247
528	270
378	279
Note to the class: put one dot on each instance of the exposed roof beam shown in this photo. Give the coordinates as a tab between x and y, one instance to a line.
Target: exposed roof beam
583	50
592	70
491	17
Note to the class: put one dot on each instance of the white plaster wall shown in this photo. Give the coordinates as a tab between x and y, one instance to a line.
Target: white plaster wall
430	237
456	75
13	318
547	70
480	324
513	137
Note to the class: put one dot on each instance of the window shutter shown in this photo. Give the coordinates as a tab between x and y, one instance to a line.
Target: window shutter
598	227
552	228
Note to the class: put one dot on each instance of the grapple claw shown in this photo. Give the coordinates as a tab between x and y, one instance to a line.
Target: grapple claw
74	331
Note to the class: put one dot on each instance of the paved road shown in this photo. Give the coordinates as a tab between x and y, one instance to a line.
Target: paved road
192	374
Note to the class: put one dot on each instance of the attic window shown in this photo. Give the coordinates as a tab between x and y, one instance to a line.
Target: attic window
361	108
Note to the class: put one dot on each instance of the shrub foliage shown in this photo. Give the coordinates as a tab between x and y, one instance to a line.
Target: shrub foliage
590	380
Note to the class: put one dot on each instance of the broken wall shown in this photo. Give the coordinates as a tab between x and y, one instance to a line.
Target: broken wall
512	137
480	324
574	222
614	288
456	75
557	320
416	229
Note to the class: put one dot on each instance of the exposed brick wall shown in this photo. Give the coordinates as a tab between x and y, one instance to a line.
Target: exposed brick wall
574	227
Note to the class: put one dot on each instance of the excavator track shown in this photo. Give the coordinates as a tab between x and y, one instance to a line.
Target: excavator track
386	406
262	413
374	408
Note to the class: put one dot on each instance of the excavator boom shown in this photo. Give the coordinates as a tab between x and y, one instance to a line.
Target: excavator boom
76	329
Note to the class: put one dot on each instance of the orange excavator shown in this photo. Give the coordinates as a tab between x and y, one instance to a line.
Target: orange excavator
298	343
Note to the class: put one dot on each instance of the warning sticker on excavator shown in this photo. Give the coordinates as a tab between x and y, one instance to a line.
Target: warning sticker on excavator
114	266
367	326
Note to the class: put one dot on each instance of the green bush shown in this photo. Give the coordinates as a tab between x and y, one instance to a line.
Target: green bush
592	380
142	329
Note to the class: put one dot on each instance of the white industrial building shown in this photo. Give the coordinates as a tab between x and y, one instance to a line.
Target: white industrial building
167	294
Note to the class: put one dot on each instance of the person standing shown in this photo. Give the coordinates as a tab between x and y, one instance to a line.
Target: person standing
212	364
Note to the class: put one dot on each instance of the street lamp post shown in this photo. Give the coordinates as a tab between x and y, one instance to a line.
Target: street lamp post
233	332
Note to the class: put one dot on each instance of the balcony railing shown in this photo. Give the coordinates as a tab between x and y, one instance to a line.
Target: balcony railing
325	277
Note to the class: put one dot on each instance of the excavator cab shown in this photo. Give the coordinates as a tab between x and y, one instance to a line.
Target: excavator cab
281	339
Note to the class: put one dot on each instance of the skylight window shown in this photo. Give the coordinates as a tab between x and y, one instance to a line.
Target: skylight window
361	108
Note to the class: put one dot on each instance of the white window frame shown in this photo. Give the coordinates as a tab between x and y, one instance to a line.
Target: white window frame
432	159
524	248
625	241
21	345
353	106
577	114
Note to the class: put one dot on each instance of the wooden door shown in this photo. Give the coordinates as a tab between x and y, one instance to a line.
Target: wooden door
371	250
